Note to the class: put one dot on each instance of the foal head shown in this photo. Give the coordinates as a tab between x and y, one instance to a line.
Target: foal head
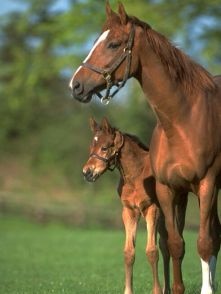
104	150
111	61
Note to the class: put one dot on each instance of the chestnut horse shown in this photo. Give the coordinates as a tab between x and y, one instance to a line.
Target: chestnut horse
109	149
185	150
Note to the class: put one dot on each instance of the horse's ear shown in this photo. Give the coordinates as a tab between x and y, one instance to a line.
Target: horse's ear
122	13
93	124
110	14
119	140
105	125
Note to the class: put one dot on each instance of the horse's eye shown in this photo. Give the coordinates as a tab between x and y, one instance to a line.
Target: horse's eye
114	45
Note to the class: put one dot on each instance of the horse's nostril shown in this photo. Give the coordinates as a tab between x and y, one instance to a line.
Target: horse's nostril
77	87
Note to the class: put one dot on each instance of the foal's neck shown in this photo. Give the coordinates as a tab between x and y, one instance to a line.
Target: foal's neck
132	159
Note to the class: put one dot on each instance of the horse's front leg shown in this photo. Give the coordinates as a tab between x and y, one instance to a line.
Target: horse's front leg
130	219
165	253
175	241
208	242
152	216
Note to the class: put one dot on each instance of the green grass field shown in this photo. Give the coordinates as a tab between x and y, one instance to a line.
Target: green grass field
53	258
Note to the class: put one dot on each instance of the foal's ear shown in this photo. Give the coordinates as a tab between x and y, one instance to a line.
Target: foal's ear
105	125
93	124
119	140
122	13
110	14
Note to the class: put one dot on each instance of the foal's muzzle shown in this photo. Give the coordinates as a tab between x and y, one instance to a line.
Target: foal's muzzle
90	175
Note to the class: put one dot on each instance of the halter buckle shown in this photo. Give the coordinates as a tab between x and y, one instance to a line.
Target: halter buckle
107	77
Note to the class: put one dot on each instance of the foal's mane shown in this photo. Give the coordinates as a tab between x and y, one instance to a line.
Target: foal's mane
188	74
137	141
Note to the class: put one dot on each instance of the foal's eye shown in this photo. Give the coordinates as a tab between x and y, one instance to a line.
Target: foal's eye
104	148
114	45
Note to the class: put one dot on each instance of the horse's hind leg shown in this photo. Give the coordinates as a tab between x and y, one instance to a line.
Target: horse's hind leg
165	253
152	215
208	242
130	219
170	207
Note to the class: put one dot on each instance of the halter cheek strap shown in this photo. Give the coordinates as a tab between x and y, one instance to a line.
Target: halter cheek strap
106	73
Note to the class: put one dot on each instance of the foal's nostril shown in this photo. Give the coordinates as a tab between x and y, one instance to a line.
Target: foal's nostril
88	174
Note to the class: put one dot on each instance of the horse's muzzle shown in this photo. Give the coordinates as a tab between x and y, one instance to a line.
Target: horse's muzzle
77	89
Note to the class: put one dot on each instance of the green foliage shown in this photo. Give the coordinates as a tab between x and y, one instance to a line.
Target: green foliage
41	128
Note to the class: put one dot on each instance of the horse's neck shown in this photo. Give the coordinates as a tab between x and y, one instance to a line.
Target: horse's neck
167	101
131	160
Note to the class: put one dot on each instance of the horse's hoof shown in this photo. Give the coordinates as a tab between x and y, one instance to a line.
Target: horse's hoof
207	290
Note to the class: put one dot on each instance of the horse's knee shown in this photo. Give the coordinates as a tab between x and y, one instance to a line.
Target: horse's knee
129	256
176	247
152	255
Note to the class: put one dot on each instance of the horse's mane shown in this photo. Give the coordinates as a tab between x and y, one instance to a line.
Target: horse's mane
137	141
181	68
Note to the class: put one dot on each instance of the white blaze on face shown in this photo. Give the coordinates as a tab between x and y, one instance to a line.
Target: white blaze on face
102	37
95	138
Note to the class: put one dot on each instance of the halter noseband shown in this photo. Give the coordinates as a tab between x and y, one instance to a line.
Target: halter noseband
106	73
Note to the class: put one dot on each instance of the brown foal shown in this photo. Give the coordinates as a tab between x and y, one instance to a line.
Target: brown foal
109	149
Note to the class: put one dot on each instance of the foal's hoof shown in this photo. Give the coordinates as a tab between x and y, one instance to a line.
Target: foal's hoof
157	291
128	291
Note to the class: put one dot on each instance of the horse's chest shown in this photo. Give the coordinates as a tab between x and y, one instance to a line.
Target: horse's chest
174	165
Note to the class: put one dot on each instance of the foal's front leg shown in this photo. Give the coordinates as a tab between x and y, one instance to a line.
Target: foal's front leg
152	216
130	219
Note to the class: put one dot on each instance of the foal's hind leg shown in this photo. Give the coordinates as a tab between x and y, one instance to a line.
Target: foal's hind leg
208	242
130	219
152	215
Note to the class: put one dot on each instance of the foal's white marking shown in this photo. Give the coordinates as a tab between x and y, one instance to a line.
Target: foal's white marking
208	275
96	138
102	37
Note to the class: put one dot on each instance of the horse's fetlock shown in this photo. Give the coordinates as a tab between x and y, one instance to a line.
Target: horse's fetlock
178	289
205	248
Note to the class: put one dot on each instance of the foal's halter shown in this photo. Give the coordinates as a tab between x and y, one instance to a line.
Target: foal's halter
106	73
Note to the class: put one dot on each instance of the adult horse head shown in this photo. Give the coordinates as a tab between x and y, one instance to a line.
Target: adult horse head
111	62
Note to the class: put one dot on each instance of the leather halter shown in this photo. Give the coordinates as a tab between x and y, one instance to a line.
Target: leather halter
107	72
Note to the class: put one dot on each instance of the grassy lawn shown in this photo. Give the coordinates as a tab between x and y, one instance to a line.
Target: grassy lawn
56	259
